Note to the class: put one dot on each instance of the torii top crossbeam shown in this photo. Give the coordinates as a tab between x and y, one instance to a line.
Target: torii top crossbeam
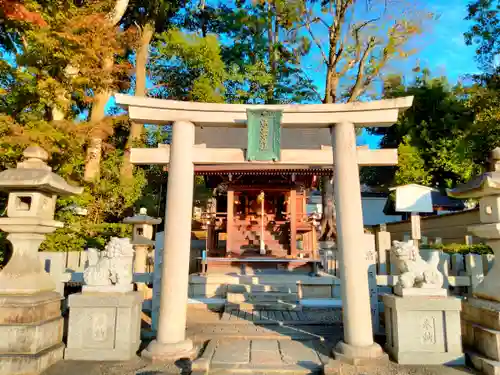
158	111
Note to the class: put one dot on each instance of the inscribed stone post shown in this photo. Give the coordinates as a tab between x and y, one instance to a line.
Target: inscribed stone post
372	280
383	242
157	281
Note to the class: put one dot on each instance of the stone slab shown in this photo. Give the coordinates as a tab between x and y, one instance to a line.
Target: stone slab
429	358
485	365
251	332
265	352
485	341
31	364
30	338
422	303
232	352
102	355
118	288
29	309
485	313
266	369
104	299
407	292
294	352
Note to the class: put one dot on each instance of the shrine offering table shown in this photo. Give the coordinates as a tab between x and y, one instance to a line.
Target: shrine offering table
253	265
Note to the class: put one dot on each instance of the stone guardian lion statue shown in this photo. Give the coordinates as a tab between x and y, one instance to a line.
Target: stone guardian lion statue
110	269
414	271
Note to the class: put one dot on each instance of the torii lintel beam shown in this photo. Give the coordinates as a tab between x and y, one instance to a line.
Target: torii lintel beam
364	114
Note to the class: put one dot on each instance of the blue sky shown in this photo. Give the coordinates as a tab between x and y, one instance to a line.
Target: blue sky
441	49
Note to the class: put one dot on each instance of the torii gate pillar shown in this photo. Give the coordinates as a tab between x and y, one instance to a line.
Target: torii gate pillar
171	342
358	344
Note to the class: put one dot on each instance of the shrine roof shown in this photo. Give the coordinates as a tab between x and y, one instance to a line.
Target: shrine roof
262	169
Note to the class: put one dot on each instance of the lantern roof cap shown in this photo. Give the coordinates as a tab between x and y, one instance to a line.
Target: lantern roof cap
33	174
142	218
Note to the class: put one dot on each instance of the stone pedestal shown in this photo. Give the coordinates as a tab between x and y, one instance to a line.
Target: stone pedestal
481	334
31	330
104	326
423	330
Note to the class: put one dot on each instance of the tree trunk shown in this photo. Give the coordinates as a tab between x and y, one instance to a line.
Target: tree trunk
94	150
270	51
328	218
136	128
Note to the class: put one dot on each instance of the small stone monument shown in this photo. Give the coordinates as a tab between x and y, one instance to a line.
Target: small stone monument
481	313
142	240
31	325
105	319
422	323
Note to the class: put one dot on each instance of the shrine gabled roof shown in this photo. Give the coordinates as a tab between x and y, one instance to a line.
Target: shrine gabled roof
263	169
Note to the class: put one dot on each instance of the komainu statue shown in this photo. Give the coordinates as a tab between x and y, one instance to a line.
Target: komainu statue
414	271
110	270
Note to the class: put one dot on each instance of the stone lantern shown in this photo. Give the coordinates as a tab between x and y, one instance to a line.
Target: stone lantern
481	313
142	240
30	309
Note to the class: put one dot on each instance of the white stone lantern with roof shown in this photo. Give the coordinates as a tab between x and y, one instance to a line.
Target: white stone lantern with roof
142	240
30	310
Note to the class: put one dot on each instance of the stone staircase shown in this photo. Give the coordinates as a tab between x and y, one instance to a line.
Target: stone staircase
258	297
248	236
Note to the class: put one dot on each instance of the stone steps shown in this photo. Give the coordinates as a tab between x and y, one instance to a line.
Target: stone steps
267	332
249	306
259	288
257	356
274	297
484	365
258	297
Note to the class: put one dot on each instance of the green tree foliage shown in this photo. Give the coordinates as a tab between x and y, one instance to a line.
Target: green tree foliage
33	81
484	99
431	136
190	67
484	33
411	168
261	48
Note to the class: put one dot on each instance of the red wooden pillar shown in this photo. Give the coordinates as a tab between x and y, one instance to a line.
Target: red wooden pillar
230	220
293	223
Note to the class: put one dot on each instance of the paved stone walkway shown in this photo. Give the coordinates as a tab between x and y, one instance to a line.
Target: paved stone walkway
251	354
256	357
261	356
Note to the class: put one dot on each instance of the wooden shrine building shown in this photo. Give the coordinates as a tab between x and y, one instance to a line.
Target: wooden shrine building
260	172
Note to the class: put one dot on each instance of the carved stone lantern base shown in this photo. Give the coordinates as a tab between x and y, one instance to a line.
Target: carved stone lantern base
104	326
31	328
423	330
24	273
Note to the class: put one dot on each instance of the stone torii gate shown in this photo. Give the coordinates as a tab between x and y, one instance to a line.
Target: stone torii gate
341	119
